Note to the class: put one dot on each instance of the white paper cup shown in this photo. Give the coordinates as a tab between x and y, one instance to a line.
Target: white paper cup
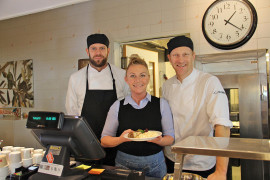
38	151
5	153
7	148
13	166
27	162
32	150
37	158
26	153
15	157
16	149
3	160
4	172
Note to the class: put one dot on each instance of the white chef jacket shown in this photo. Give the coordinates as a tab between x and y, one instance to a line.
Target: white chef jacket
197	104
97	81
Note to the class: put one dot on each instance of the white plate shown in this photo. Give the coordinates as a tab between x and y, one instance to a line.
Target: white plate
143	139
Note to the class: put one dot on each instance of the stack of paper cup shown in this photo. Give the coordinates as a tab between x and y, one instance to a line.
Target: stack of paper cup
37	158
3	160
32	151
6	153
38	151
15	161
27	157
16	149
4	171
22	148
7	148
26	153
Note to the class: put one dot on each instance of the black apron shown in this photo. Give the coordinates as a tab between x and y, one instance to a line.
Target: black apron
95	108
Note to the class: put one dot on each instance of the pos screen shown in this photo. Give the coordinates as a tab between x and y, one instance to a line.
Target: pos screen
48	120
64	136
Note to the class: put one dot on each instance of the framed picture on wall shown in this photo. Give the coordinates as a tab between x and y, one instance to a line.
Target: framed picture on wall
16	84
82	63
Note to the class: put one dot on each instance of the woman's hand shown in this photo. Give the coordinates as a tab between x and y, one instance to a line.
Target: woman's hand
163	141
122	138
157	140
217	175
109	141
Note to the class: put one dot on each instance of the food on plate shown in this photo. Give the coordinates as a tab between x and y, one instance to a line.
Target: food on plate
134	134
142	134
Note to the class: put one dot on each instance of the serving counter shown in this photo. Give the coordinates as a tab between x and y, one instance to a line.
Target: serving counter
243	148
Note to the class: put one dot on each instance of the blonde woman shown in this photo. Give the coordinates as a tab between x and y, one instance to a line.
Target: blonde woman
139	110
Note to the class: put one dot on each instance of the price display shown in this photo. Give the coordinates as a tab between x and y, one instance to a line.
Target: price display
45	120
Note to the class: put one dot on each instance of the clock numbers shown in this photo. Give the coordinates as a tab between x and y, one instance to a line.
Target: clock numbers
228	37
237	33
220	35
227	6
214	16
241	11
219	10
230	17
228	24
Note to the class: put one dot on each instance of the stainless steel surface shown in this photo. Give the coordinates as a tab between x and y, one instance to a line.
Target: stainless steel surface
250	110
247	72
231	56
244	148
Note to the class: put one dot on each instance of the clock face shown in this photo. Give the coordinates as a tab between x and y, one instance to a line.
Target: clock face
228	24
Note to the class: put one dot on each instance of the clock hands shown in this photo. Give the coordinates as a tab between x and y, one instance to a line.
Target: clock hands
232	25
228	22
229	18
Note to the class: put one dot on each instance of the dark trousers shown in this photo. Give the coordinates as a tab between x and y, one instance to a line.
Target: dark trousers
204	174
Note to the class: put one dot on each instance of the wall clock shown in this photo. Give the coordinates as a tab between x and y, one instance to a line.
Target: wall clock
228	24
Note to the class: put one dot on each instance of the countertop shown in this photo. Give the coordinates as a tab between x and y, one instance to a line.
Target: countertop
244	148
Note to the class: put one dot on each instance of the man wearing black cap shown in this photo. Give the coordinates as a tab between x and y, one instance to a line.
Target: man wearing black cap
199	106
93	89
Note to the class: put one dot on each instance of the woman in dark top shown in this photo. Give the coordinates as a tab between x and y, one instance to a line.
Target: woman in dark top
139	110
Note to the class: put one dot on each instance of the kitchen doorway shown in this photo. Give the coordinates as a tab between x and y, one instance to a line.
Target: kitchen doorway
154	52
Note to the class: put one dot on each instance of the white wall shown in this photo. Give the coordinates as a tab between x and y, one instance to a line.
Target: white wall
55	39
11	9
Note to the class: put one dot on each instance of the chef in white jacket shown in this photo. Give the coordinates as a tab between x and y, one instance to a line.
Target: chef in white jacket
93	89
199	106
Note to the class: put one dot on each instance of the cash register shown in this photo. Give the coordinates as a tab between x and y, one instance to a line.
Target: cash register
65	137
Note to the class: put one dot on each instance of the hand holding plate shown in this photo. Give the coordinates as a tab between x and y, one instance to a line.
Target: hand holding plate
157	140
125	134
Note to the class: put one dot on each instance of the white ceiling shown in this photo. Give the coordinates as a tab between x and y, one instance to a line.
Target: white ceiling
14	8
